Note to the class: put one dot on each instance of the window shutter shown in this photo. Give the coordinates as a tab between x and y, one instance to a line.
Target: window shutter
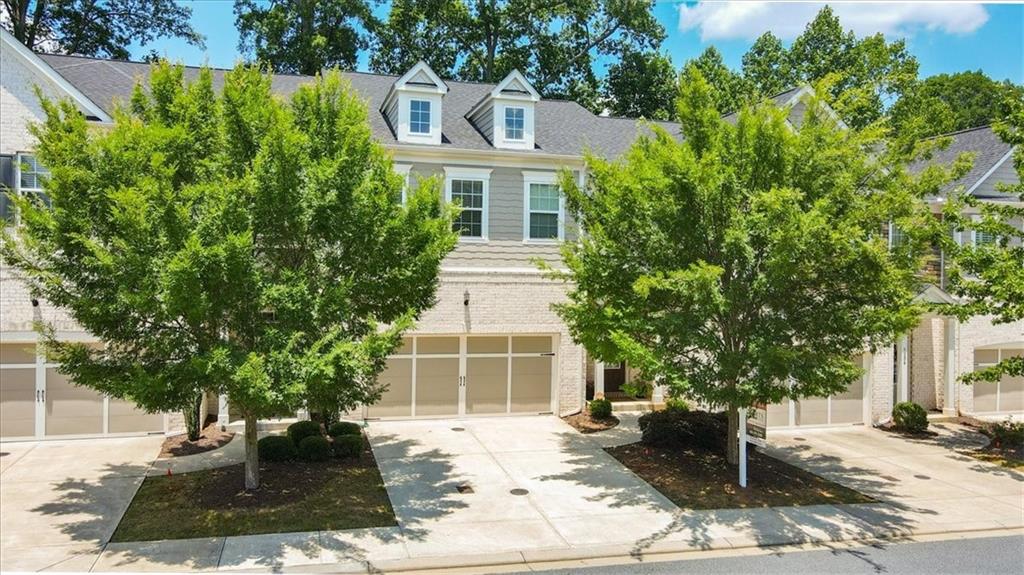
6	184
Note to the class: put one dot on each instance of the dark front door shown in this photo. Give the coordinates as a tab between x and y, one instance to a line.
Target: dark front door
614	377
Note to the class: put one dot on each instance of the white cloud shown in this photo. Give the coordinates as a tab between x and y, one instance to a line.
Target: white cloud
748	20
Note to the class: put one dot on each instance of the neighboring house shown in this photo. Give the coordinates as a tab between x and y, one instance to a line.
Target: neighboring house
492	345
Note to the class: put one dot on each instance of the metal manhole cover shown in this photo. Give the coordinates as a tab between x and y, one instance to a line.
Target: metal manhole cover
519	491
464	488
922	477
458	429
799	439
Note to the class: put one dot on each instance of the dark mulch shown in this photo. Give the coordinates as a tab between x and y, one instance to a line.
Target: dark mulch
293	496
699	479
891	428
209	439
1011	456
586	423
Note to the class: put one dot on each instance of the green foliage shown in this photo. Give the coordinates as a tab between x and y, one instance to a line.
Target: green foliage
677	404
100	28
641	85
303	36
600	408
909	417
767	68
554	44
277	448
1008	434
749	263
345	428
948	102
678	428
302	429
315	448
728	89
348	445
989	277
230	242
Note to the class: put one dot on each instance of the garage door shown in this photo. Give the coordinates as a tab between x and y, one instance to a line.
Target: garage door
1003	396
36	400
437	376
845	408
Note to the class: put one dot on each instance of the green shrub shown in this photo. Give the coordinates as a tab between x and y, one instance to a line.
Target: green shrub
348	445
276	448
677	404
909	417
676	428
1007	434
600	409
302	429
315	448
344	428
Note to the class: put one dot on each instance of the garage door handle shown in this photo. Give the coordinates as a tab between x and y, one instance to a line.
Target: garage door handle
550	354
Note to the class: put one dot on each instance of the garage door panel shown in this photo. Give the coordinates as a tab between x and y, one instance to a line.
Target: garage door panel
127	417
396	401
71	410
1011	394
812	411
17	402
437	385
23	353
848	406
531	384
486	385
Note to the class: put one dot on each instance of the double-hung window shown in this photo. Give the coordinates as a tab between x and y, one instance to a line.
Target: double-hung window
419	116
515	123
30	178
543	217
897	237
468	189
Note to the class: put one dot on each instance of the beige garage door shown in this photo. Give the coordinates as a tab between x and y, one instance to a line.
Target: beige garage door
38	401
1003	396
845	408
436	376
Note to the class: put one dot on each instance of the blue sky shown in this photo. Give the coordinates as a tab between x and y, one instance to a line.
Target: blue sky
945	37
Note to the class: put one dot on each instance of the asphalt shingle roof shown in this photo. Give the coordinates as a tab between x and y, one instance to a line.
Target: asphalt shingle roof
562	127
988	150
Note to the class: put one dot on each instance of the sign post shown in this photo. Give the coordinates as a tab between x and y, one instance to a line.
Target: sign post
754	430
743	447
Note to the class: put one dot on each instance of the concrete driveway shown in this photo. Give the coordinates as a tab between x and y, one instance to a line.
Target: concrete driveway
496	484
60	501
924	485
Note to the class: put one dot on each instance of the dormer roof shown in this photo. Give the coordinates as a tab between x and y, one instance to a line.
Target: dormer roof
515	86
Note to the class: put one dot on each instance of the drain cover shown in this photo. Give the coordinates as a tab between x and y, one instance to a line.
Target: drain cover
458	429
464	488
799	439
519	491
922	477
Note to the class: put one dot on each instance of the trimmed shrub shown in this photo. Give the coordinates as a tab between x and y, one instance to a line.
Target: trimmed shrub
276	448
1007	434
600	409
909	417
677	404
348	445
344	428
302	429
315	448
676	428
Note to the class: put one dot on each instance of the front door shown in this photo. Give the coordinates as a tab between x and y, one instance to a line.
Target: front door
614	377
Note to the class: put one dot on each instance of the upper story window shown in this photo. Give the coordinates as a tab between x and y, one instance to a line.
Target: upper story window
897	237
470	196
544	214
30	178
419	116
515	123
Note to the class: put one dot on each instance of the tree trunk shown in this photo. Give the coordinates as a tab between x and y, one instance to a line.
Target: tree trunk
194	419
732	445
252	457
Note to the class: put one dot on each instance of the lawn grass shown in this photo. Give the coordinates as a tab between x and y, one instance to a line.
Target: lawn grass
698	479
293	496
1011	459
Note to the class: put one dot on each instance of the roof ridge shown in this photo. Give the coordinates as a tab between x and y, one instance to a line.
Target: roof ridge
957	132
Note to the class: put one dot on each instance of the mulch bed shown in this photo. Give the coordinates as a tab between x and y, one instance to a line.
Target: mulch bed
891	428
293	496
210	438
585	423
699	479
1011	456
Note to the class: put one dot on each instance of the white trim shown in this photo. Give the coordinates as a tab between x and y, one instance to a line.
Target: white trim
495	270
991	170
52	75
498	157
473	174
544	178
403	170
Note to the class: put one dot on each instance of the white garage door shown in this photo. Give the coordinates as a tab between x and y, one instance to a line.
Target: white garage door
436	376
1003	396
845	408
36	401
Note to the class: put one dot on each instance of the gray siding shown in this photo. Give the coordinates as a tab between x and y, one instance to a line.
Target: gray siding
1004	174
483	120
392	114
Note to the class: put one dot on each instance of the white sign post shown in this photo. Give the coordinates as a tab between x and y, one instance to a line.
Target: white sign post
743	447
751	430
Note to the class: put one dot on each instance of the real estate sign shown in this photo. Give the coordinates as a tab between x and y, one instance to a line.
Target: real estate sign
757	424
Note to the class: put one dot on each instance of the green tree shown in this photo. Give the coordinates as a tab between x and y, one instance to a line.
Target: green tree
232	242
988	273
729	89
766	66
553	43
744	263
303	36
102	28
966	99
641	85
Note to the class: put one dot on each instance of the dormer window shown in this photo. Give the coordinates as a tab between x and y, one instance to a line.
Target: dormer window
419	116
413	106
515	123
